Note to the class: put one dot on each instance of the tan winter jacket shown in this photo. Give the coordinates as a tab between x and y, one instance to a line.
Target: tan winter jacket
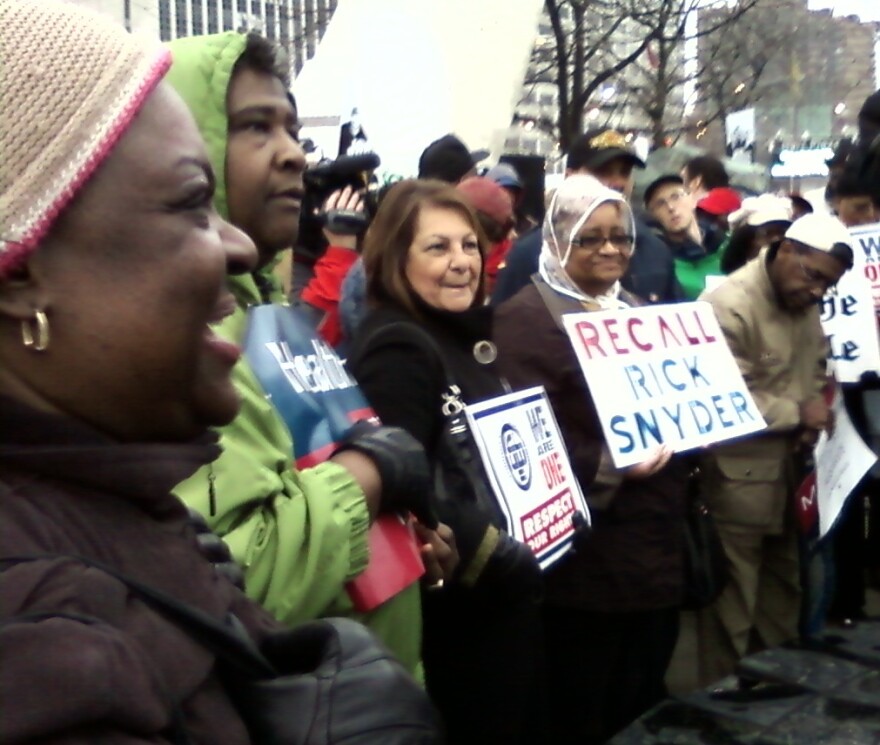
781	355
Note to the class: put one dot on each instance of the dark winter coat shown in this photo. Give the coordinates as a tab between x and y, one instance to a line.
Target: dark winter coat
67	489
632	560
482	643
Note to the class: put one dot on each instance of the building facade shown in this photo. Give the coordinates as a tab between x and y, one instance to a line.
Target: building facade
297	25
821	70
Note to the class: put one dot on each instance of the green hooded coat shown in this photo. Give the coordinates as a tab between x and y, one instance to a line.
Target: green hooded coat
300	535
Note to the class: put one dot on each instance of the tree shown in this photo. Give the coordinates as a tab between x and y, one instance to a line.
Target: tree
750	61
657	83
635	47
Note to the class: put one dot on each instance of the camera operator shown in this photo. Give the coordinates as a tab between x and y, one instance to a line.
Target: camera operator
336	212
321	181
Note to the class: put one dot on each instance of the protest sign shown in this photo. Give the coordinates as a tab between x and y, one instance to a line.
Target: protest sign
661	375
842	460
318	400
848	311
527	464
867	256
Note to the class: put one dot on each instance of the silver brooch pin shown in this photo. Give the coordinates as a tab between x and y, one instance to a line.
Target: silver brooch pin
485	352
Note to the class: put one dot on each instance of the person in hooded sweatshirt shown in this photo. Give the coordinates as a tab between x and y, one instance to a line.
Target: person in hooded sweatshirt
299	534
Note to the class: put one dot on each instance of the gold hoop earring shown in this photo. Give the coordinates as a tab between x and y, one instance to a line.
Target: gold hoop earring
39	342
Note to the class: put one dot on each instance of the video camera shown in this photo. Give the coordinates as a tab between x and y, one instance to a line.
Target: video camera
320	182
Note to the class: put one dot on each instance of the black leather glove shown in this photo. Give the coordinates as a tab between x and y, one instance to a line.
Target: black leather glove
407	483
513	571
215	550
582	531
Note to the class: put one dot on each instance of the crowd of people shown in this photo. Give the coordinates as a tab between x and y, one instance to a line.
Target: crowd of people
147	195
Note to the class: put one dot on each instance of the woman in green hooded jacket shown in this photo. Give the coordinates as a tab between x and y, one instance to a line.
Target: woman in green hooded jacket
300	535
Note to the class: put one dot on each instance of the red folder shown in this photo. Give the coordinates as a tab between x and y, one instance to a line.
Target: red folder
395	564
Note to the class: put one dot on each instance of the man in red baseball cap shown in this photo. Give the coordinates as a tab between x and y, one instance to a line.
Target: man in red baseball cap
717	205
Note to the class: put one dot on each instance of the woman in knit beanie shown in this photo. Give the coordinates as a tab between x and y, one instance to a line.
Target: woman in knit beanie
107	230
113	266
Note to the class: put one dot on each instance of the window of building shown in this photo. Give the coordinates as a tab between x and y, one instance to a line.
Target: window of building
197	20
165	20
270	21
180	26
213	17
227	15
284	25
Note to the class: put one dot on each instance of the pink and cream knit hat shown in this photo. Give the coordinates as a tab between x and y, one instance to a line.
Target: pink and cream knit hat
71	82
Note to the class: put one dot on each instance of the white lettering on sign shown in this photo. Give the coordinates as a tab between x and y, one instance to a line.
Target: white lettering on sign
315	373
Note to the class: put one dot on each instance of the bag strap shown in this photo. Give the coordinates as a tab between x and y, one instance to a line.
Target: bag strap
452	407
457	432
551	300
228	642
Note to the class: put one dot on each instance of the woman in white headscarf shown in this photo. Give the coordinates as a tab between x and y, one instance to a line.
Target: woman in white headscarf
611	608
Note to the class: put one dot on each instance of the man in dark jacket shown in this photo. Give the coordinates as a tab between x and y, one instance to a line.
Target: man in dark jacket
605	155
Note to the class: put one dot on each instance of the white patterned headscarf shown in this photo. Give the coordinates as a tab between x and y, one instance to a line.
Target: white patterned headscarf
574	202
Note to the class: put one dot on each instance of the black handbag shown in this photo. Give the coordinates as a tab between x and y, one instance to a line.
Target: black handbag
326	682
459	474
706	566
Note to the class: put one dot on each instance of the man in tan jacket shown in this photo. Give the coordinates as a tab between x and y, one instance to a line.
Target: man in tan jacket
768	311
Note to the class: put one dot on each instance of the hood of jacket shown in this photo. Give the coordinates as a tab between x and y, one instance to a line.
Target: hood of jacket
201	72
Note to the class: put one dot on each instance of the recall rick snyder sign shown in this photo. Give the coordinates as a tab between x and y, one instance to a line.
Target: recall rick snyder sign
661	375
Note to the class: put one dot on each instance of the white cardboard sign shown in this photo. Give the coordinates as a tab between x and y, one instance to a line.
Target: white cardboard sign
867	256
661	374
849	310
527	464
841	461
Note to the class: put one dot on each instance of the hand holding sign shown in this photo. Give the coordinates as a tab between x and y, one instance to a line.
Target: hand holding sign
439	554
650	466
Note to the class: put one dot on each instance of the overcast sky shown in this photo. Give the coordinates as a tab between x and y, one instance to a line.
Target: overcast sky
867	10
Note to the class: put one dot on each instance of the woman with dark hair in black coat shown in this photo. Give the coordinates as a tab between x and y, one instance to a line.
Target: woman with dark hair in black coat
425	347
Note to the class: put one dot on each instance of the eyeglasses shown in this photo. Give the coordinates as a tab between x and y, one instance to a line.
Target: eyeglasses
670	201
815	278
622	242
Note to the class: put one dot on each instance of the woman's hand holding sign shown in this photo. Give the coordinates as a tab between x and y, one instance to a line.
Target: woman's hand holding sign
439	554
650	466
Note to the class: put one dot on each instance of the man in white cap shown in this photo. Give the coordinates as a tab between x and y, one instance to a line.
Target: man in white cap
768	311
